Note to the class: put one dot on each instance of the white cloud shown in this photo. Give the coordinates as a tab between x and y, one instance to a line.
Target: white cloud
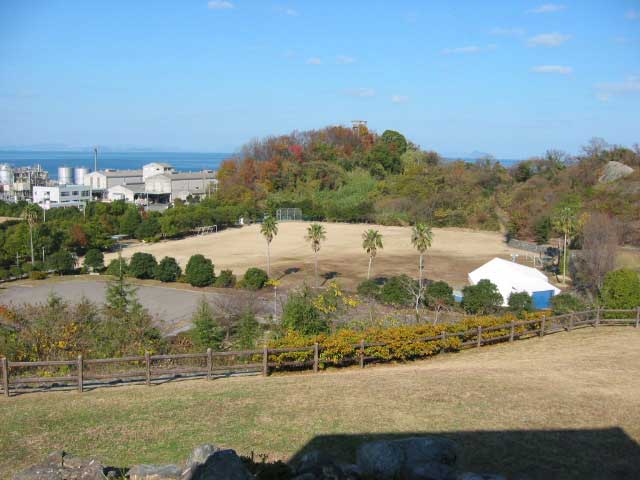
562	70
219	5
632	15
399	98
361	92
457	50
629	85
548	40
345	60
508	32
547	8
314	61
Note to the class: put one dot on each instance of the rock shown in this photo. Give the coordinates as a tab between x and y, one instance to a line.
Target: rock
430	471
319	465
614	171
351	471
388	459
201	454
222	464
155	472
479	476
63	466
305	476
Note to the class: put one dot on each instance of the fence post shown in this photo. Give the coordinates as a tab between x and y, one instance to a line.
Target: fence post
542	325
513	331
479	337
570	323
362	353
5	376
80	374
637	317
444	339
265	361
209	363
316	357
147	361
597	316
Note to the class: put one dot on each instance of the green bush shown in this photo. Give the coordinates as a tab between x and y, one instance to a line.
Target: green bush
395	291
61	261
300	315
36	275
200	271
148	229
369	289
142	265
439	293
206	331
621	289
567	303
482	298
94	259
254	279
167	270
4	274
226	279
15	271
116	265
248	331
520	302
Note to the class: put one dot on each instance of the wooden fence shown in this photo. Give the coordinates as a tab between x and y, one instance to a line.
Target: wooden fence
82	372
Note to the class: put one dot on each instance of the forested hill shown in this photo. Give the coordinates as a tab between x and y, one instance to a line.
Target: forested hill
341	174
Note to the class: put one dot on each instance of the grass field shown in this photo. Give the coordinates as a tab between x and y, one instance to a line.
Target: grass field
565	406
455	252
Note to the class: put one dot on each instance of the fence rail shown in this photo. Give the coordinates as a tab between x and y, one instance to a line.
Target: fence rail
153	367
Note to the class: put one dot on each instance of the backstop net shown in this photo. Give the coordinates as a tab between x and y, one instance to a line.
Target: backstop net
288	214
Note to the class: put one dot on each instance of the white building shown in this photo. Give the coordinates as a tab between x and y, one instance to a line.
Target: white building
181	185
105	179
130	192
511	277
61	195
155	168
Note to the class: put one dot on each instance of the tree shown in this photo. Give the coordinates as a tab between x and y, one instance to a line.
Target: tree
142	265
621	289
200	271
566	303
129	221
254	279
149	228
421	238
117	266
565	221
368	289
371	242
226	279
299	314
248	330
269	229
598	255
520	302
397	291
94	259
482	298
206	331
439	296
316	234
31	214
121	297
61	261
167	270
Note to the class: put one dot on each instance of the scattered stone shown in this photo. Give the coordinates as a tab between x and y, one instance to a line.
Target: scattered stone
63	466
222	464
155	472
614	171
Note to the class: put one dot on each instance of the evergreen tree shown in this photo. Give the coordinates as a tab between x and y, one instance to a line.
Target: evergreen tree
206	332
248	331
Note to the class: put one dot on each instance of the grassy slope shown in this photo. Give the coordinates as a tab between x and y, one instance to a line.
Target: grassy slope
494	402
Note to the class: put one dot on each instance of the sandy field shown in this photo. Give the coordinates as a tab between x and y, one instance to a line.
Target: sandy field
455	252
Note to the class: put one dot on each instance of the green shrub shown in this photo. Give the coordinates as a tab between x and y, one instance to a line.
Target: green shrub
520	302
15	271
248	331
36	275
368	289
566	303
117	265
94	259
167	270
226	279
300	315
481	298
395	291
621	289
200	271
148	229
254	279
206	331
439	293
142	265
4	274
61	261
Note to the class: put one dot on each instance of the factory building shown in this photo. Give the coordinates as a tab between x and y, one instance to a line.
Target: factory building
173	186
105	179
17	183
61	196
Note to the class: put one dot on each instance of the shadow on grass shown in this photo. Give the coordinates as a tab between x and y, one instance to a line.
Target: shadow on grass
607	453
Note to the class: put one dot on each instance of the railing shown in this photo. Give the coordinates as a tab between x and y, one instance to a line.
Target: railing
150	367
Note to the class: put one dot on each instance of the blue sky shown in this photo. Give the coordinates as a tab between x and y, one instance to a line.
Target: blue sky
509	78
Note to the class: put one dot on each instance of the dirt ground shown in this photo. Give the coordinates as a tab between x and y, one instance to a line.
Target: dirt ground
455	252
566	406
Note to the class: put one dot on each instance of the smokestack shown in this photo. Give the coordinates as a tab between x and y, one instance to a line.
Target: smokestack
95	159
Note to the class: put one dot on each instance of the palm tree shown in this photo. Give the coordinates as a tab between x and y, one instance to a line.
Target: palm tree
269	230
565	221
30	213
316	234
371	242
421	237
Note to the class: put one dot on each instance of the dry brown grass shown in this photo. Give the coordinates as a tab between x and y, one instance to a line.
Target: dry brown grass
569	401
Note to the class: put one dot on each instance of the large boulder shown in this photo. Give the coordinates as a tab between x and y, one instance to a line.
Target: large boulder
406	458
479	476
63	466
222	464
613	171
155	472
198	456
429	471
320	466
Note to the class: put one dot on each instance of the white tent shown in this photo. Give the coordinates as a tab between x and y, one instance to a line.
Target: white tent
511	277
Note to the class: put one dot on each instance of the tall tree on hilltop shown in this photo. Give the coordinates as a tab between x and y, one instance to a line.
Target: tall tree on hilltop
316	234
269	230
371	242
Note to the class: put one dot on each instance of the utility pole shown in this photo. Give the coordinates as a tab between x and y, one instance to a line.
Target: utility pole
42	254
95	159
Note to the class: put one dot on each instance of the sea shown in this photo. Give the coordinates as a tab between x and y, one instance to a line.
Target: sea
50	161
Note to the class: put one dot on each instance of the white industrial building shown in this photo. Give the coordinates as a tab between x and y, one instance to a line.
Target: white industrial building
181	185
61	195
105	179
511	277
130	192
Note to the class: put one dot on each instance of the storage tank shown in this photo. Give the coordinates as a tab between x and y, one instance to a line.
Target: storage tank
78	175
6	174
65	175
